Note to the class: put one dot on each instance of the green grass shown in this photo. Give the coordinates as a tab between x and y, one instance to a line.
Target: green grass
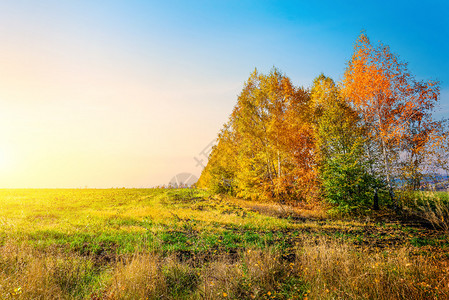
183	244
124	221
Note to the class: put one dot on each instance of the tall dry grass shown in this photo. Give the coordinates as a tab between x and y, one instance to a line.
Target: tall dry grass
430	206
336	270
319	269
31	274
138	277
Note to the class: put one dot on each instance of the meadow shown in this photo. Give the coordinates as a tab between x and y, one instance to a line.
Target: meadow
190	244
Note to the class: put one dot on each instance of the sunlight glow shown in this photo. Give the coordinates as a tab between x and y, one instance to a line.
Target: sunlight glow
5	160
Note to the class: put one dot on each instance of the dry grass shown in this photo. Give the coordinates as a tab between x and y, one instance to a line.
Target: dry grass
303	211
319	269
257	274
337	271
430	206
31	274
138	277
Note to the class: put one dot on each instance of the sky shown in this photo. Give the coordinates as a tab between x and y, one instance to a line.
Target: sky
108	94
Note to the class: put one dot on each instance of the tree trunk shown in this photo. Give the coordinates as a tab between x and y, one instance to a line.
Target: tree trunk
376	200
279	165
387	171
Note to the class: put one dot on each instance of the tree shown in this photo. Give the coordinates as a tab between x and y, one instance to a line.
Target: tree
340	140
270	146
276	141
391	104
220	170
437	160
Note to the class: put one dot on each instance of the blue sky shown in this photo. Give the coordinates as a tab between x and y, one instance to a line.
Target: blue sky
127	93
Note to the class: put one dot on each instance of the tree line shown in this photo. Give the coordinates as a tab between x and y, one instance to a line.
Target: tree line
349	143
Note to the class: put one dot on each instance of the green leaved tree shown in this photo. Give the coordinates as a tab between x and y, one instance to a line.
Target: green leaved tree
340	149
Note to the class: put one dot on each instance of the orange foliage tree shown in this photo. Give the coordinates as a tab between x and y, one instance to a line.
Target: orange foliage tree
394	107
267	149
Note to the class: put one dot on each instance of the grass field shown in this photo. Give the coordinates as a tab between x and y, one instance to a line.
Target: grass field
188	244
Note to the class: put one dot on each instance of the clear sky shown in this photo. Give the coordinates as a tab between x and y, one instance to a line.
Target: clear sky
127	93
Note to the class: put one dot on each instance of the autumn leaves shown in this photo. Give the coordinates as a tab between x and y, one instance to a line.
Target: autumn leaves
267	148
344	143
